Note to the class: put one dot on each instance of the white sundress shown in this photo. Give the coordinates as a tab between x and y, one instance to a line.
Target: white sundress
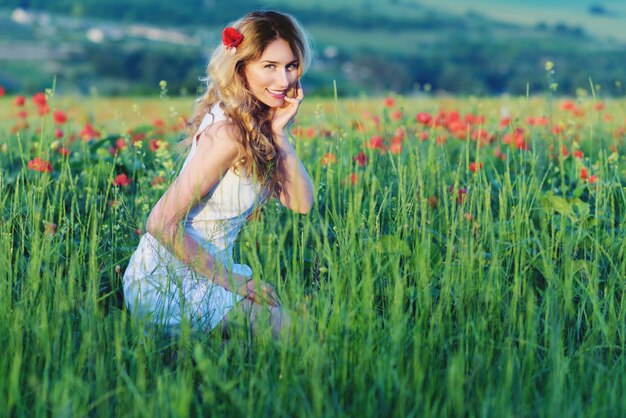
165	291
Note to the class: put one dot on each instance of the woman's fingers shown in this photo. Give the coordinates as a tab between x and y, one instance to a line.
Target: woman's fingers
265	293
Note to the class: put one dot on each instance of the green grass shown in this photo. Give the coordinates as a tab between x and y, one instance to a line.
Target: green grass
509	302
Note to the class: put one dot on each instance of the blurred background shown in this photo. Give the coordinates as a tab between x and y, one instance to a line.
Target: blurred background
372	47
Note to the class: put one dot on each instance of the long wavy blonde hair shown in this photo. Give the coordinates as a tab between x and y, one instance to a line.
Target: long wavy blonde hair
227	85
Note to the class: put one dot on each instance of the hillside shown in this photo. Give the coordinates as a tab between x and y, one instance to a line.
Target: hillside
121	47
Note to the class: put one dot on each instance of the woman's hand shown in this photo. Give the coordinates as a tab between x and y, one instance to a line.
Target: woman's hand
284	115
259	294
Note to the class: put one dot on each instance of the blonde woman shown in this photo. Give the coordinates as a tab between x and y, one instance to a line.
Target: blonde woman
239	155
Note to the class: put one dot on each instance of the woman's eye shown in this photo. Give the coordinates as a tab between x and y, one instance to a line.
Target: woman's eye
270	66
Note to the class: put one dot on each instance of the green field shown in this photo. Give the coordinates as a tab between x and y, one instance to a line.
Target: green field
464	257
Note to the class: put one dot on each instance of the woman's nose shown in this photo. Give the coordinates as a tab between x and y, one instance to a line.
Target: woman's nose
283	79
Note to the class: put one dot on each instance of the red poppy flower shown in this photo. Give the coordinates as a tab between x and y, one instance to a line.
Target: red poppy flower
389	102
120	143
153	145
19	101
1	91
423	118
461	193
351	179
40	99
584	173
59	117
375	142
592	179
474	166
231	37
64	151
40	165
396	115
395	147
579	154
88	132
121	180
58	133
43	110
361	159
329	158
568	105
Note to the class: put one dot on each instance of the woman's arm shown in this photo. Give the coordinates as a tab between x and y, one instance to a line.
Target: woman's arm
297	193
216	151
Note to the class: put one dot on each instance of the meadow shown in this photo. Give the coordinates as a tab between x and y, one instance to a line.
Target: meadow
464	257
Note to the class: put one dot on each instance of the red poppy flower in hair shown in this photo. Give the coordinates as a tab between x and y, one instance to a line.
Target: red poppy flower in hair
231	38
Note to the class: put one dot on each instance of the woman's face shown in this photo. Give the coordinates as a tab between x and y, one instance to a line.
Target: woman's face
273	74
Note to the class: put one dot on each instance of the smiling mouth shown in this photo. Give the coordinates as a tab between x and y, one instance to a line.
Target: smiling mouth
279	94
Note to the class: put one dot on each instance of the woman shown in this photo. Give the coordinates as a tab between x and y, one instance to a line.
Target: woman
239	156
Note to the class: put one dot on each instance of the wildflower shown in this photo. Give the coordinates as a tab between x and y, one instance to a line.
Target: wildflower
361	159
88	133
157	180
120	143
64	151
499	154
40	165
592	179
578	154
40	99
50	228
329	158
395	148
433	201
351	179
375	142
398	135
423	118
599	106
474	166
396	115
121	180
461	193
557	129
584	173
58	133
59	117
22	114
389	102
310	133
19	101
154	144
138	231
1	91
43	110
